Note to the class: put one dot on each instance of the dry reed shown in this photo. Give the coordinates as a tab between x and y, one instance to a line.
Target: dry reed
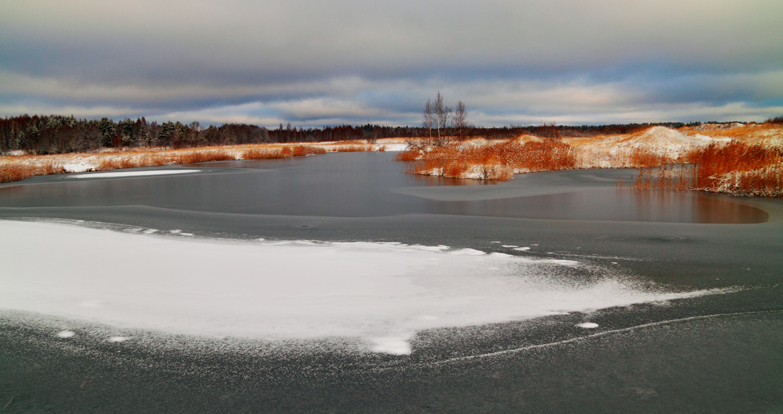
666	178
739	169
303	150
263	154
736	168
353	148
491	162
15	168
18	171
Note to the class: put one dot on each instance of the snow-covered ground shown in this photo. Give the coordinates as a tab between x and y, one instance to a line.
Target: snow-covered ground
611	151
379	292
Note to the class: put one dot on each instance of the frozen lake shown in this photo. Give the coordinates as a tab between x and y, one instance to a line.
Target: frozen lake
370	184
375	276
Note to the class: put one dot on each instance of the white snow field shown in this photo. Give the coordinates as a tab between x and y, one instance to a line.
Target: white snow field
379	292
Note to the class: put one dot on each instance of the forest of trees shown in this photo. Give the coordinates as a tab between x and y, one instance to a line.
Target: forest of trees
51	134
59	134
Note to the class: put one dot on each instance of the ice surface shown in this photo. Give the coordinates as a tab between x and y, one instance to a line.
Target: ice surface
381	292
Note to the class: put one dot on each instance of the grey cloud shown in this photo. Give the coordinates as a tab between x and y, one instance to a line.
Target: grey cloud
306	38
376	61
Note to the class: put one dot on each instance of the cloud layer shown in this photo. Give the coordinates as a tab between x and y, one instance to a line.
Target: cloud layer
349	61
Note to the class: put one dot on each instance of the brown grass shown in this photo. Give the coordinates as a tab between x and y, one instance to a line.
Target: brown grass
491	162
192	157
15	168
641	158
135	160
739	169
353	148
768	133
303	150
410	154
18	172
263	154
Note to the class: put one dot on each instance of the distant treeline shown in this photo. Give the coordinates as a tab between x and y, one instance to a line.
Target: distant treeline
59	134
50	134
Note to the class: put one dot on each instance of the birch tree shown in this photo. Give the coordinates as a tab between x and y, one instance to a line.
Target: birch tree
442	117
429	117
460	120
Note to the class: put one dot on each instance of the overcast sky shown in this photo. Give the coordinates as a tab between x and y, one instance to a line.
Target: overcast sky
315	63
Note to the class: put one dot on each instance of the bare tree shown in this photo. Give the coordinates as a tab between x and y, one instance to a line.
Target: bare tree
429	117
442	117
460	120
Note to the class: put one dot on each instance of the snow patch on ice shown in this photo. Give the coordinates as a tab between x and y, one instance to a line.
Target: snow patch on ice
522	249
118	339
588	325
497	254
66	334
467	252
134	173
374	291
395	345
